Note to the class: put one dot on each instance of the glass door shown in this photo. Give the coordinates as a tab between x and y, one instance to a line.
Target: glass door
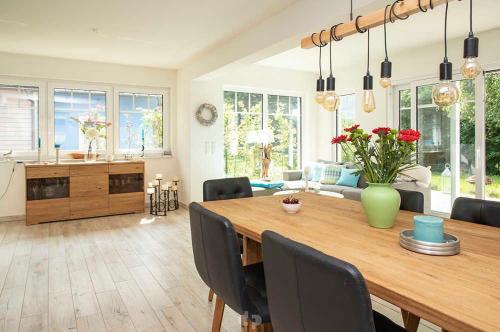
492	135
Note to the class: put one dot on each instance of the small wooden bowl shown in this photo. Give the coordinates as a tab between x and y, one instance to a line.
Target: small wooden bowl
76	155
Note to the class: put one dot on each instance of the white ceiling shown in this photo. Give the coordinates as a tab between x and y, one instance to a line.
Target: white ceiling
417	31
156	33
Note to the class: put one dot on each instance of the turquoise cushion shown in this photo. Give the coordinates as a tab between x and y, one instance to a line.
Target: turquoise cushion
316	171
267	185
348	178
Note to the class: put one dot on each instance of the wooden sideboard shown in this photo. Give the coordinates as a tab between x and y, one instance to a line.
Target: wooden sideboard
80	190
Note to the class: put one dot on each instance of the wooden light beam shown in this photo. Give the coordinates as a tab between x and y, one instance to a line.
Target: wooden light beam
369	21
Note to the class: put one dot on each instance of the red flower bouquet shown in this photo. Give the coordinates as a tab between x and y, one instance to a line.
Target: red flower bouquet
380	161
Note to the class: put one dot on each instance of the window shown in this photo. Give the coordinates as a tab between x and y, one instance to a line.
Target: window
283	119
73	107
246	114
141	122
345	117
404	109
242	115
18	117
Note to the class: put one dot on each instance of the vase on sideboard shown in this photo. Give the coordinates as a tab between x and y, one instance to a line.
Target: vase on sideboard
381	204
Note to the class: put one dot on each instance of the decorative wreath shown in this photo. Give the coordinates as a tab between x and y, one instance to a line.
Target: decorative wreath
206	114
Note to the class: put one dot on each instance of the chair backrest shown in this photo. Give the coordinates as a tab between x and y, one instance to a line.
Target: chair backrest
411	200
310	291
477	211
217	256
229	188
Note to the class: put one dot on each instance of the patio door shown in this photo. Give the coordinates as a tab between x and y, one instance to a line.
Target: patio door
454	138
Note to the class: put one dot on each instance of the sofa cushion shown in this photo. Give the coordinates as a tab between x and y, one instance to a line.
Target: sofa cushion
352	193
332	187
348	178
331	174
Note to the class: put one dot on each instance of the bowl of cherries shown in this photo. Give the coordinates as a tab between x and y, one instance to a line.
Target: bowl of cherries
291	204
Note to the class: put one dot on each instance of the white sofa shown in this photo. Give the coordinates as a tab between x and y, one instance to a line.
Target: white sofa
293	181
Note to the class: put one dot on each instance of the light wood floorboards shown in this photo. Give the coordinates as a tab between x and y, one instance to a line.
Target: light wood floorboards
121	273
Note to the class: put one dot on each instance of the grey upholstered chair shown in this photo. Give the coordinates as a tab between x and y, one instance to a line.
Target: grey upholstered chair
309	291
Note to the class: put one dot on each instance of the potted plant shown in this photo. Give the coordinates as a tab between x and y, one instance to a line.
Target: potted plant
380	158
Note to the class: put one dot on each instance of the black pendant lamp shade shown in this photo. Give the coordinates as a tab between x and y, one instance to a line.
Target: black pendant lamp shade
368	82
471	46
386	69
445	70
320	84
330	83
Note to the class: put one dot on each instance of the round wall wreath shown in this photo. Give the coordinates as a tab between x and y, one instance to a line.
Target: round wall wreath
206	114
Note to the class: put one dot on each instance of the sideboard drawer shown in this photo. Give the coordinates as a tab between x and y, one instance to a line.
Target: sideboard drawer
80	170
85	186
47	210
89	203
126	168
125	203
47	172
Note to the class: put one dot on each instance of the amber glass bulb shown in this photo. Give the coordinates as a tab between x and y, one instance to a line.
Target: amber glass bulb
385	82
368	101
445	93
471	68
331	102
320	97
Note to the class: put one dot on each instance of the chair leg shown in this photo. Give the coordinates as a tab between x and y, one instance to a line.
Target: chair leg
210	295
218	314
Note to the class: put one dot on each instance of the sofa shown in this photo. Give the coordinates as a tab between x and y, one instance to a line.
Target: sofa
294	180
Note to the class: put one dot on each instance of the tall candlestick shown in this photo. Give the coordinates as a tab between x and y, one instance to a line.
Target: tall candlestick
159	176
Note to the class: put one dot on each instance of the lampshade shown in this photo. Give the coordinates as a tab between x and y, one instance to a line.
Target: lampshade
264	136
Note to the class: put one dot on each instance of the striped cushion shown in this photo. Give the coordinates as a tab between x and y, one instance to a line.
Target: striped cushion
331	174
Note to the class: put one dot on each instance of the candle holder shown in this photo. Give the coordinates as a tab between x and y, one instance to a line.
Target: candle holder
173	198
158	200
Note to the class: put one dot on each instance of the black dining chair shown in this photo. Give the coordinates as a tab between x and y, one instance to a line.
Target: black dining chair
309	291
227	188
411	200
477	211
218	262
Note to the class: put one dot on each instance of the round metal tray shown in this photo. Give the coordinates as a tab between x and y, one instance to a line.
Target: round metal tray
450	246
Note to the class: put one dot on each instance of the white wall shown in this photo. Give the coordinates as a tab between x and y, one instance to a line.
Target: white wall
207	143
46	69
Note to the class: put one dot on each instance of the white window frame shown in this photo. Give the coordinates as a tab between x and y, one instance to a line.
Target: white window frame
265	112
166	107
336	148
107	89
42	114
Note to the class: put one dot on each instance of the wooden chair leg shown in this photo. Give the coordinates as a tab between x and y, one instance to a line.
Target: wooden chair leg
210	295
218	314
410	321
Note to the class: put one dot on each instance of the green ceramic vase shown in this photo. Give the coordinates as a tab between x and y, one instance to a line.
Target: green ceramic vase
381	204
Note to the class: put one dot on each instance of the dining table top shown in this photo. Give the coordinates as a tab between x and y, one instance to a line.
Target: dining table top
457	293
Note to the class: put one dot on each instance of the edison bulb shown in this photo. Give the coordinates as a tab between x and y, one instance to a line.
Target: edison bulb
368	101
471	68
445	93
385	82
320	97
331	102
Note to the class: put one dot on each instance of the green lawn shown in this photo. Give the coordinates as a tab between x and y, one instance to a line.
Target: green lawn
492	190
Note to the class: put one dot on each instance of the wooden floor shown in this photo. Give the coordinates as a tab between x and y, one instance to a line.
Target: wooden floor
121	273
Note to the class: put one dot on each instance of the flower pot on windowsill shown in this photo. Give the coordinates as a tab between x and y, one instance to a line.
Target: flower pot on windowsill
381	204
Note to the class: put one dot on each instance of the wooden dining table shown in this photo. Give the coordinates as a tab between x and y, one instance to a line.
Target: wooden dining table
457	293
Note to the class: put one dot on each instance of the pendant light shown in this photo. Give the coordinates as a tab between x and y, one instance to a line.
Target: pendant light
471	67
386	65
368	98
331	102
445	93
320	83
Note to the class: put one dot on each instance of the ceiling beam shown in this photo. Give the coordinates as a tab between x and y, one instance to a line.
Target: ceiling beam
372	20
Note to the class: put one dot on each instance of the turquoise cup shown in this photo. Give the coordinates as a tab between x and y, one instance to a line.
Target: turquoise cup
428	229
